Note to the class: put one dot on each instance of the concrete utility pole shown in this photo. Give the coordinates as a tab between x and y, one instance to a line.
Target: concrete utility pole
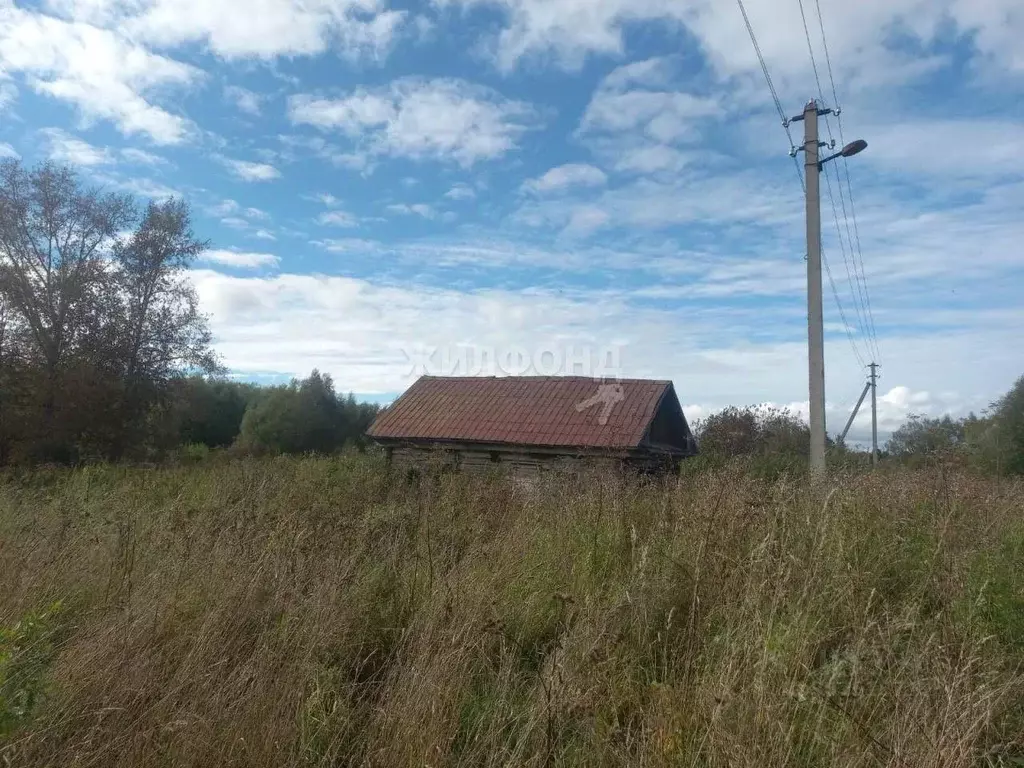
874	414
815	327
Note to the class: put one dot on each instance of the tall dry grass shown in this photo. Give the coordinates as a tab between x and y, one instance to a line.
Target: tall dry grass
317	612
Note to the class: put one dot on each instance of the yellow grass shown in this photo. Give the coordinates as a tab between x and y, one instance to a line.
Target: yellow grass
314	612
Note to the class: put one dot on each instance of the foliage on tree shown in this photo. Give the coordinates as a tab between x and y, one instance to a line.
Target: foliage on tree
95	324
304	416
993	443
209	411
752	431
922	436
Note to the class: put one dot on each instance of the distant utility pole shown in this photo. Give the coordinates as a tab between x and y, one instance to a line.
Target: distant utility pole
815	320
874	413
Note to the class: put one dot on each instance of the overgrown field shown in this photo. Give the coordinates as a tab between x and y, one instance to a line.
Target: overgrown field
296	612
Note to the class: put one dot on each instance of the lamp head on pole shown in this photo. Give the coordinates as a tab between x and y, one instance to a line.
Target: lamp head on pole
853	148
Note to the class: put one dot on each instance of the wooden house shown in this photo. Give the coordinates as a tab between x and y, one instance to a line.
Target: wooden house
525	423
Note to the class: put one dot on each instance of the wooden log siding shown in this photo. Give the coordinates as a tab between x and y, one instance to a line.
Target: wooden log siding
518	461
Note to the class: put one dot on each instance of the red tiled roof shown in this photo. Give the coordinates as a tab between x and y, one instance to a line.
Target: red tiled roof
524	410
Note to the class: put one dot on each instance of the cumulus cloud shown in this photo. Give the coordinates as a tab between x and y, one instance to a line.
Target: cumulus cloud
441	119
239	259
460	191
142	157
65	148
416	209
247	101
571	30
104	75
337	219
566	176
249	171
710	350
235	29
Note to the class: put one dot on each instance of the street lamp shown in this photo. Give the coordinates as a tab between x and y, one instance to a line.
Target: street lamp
854	147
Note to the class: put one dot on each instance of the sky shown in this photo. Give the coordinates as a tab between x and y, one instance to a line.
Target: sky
597	187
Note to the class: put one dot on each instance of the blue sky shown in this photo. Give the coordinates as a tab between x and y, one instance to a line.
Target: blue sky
381	179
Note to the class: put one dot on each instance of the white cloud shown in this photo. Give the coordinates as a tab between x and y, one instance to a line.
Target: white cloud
327	199
263	234
63	147
929	147
711	351
103	74
141	186
664	117
870	43
234	222
240	259
348	245
225	207
337	219
142	157
247	101
237	29
570	29
441	119
585	219
417	209
6	150
460	191
651	159
699	196
248	171
67	149
565	176
8	93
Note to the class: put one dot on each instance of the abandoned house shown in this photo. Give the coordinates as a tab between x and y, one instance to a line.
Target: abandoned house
531	422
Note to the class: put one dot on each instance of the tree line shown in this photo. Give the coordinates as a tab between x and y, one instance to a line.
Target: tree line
779	439
104	352
993	442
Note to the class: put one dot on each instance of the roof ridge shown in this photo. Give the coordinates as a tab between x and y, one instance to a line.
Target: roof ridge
554	377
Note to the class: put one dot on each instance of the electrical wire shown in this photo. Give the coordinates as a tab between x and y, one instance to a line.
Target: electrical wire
842	313
785	124
771	88
857	280
858	254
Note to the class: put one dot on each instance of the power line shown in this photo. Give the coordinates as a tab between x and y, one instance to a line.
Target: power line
810	50
771	88
854	290
858	253
859	290
785	125
865	325
842	313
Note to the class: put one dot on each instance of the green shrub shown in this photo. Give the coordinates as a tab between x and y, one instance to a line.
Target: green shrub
26	650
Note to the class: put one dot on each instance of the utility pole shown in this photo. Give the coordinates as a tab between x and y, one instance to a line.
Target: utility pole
815	320
815	325
874	414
